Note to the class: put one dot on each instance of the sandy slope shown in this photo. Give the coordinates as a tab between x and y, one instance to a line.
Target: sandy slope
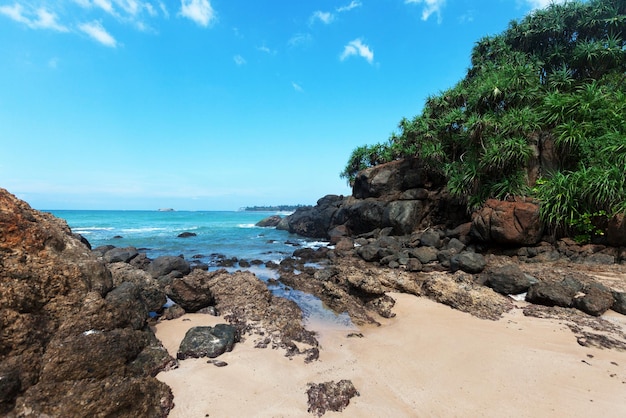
428	361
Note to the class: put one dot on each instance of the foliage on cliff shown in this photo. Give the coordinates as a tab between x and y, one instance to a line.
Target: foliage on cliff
558	77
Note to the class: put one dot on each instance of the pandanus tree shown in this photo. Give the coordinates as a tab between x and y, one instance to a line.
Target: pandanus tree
558	73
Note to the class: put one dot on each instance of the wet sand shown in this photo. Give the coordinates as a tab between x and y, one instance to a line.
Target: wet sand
428	361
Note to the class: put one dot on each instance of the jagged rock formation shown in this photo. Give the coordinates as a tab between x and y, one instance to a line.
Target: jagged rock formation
71	344
404	197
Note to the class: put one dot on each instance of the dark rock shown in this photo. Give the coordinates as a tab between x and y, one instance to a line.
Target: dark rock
551	294
207	341
124	255
314	221
141	261
192	292
394	178
430	238
596	300
127	303
403	215
330	396
599	258
619	302
425	254
162	266
455	244
270	221
149	288
445	256
368	252
362	216
187	235
508	280
508	222
414	265
337	233
414	194
468	262
101	250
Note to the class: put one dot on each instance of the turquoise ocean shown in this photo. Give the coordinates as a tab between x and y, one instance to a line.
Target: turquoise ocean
218	234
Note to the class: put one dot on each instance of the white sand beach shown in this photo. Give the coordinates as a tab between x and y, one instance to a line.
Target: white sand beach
428	361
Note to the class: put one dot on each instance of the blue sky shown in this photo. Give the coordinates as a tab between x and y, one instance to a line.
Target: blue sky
216	104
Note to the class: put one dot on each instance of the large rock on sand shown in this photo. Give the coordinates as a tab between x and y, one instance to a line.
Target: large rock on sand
68	348
207	341
508	222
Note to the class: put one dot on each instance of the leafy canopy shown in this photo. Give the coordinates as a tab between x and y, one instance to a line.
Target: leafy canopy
555	78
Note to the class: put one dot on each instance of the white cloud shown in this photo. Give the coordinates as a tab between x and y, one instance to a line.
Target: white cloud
239	60
324	17
164	9
53	63
430	7
264	48
200	11
297	87
353	5
96	31
105	5
42	19
300	39
48	20
358	48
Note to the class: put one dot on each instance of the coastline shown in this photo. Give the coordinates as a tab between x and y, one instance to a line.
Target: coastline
429	360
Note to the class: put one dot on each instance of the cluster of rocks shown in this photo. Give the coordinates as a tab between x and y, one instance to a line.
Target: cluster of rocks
400	216
76	336
405	196
241	297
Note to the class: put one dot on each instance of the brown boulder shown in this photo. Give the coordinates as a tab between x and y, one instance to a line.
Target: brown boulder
67	349
514	222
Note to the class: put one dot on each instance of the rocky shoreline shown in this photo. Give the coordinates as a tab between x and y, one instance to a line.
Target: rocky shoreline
77	324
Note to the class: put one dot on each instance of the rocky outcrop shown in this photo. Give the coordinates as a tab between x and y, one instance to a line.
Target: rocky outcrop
515	222
72	344
402	195
394	179
508	280
270	221
247	304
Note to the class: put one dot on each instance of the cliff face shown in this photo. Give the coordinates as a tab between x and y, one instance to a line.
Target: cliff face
68	345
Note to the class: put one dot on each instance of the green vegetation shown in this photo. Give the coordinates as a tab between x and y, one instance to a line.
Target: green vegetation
554	79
